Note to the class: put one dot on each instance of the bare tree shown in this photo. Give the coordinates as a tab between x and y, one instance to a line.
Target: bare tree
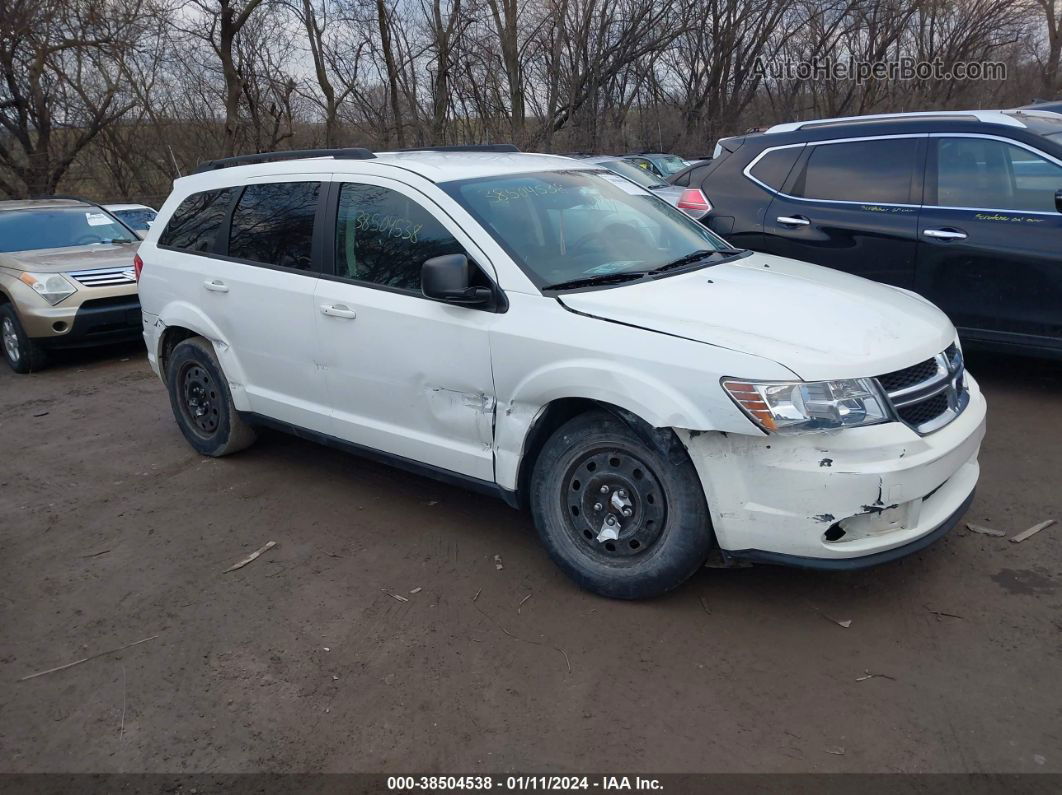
1051	13
116	97
62	67
220	26
384	20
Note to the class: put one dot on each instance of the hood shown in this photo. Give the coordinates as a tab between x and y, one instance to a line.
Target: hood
71	258
819	323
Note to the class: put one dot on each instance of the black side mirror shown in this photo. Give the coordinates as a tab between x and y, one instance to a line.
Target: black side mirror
1058	200
447	278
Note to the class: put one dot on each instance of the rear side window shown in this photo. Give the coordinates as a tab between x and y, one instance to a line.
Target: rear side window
273	224
772	169
383	237
195	224
860	171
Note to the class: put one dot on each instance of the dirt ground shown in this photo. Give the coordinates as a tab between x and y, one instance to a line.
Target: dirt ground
114	530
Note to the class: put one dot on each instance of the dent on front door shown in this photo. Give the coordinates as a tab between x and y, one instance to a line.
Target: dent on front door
452	407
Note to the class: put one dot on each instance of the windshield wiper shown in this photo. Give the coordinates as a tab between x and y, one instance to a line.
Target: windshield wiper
605	278
694	257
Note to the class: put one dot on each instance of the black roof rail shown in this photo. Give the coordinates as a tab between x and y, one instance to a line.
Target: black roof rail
464	148
351	153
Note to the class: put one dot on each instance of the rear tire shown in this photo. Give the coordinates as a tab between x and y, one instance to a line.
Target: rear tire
201	401
620	516
23	354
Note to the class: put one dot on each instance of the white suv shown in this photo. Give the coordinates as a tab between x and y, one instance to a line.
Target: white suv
551	333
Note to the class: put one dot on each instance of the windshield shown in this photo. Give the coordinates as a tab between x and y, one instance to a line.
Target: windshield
632	172
562	226
62	227
137	219
670	164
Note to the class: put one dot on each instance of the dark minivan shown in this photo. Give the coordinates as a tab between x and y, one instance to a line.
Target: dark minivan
963	207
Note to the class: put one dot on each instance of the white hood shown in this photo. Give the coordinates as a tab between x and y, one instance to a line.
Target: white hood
818	322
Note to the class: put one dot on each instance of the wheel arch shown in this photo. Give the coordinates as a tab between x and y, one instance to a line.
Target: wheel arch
559	411
168	340
547	397
180	322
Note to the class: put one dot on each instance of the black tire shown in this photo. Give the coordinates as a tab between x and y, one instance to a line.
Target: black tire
201	401
23	354
666	537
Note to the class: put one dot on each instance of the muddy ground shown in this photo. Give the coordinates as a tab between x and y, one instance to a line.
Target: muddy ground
114	530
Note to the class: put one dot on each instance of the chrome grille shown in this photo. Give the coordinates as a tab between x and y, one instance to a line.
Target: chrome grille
928	395
104	277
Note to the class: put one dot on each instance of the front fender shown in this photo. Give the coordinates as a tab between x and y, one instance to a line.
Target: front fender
652	399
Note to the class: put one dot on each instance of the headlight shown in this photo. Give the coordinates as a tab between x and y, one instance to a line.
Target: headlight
52	287
797	407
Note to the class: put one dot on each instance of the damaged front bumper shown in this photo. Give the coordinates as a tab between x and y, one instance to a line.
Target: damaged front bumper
846	499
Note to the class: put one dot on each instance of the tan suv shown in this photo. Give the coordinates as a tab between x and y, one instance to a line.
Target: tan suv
66	279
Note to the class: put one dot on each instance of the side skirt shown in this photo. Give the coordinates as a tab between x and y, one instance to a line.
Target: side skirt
510	498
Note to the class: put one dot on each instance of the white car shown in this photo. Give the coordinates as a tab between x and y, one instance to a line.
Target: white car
138	217
551	333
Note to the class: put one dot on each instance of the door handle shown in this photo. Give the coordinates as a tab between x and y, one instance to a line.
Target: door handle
216	286
793	220
338	310
945	234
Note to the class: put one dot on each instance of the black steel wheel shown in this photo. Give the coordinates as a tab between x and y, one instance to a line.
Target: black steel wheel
199	398
201	401
616	507
619	506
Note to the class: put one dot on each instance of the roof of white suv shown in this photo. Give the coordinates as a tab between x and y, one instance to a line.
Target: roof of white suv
447	166
431	165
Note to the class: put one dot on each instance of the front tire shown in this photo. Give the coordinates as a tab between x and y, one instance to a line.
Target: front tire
201	401
620	516
22	354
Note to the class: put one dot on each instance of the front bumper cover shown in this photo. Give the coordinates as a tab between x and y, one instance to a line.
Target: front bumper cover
834	499
851	564
98	322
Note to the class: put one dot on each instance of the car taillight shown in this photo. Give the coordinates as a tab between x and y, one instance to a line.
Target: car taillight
138	266
694	201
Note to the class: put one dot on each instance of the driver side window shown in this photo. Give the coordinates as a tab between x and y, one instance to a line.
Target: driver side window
383	237
984	172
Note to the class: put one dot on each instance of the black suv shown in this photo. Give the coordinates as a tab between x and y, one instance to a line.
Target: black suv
963	207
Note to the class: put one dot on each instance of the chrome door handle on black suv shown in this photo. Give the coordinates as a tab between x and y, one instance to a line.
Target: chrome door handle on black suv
945	234
793	220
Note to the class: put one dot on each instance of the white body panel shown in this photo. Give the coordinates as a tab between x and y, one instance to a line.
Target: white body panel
409	377
819	322
263	326
542	352
459	389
